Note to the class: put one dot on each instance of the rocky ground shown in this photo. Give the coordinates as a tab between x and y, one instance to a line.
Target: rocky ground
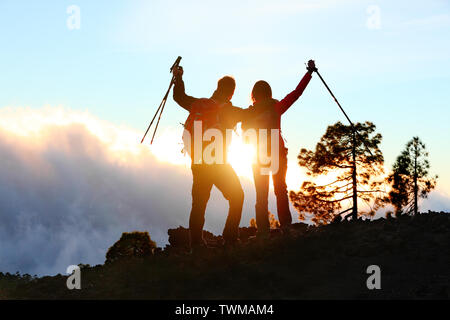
327	262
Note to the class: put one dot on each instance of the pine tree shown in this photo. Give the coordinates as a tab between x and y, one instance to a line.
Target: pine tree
409	178
345	155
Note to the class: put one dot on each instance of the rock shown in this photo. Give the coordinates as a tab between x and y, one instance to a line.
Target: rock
179	238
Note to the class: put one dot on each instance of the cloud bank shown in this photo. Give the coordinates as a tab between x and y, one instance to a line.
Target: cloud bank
71	184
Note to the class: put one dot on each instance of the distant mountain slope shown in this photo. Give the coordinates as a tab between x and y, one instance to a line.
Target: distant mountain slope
328	262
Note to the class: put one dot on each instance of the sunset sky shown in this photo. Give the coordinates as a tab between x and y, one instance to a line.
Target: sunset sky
387	62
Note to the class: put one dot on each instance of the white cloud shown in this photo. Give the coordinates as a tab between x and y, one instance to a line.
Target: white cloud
71	184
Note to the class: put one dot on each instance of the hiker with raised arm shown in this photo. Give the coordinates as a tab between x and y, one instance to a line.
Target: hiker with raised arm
206	137
265	116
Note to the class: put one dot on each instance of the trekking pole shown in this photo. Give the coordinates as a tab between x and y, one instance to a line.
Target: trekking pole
162	109
345	114
162	104
157	111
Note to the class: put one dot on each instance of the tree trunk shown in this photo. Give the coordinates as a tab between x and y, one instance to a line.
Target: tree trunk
354	181
416	189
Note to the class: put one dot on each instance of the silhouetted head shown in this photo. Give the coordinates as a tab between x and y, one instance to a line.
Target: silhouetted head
225	88
261	91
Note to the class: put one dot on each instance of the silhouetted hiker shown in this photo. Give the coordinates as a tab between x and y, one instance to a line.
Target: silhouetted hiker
215	113
265	113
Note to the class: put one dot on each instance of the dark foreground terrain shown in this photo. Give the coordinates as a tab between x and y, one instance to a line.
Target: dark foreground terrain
328	262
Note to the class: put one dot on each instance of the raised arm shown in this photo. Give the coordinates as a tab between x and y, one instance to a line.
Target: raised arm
289	100
179	94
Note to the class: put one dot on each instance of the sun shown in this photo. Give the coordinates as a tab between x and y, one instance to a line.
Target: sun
241	155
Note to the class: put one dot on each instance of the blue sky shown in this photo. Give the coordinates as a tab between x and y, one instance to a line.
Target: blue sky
116	65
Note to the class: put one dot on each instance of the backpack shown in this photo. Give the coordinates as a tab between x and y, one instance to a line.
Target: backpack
206	111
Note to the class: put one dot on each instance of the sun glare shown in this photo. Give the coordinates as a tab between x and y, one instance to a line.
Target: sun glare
241	155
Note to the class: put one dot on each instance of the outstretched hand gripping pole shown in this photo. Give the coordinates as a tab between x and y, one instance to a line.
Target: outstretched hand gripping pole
162	104
345	114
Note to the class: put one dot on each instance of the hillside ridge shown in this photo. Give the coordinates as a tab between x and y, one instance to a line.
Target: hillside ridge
328	262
